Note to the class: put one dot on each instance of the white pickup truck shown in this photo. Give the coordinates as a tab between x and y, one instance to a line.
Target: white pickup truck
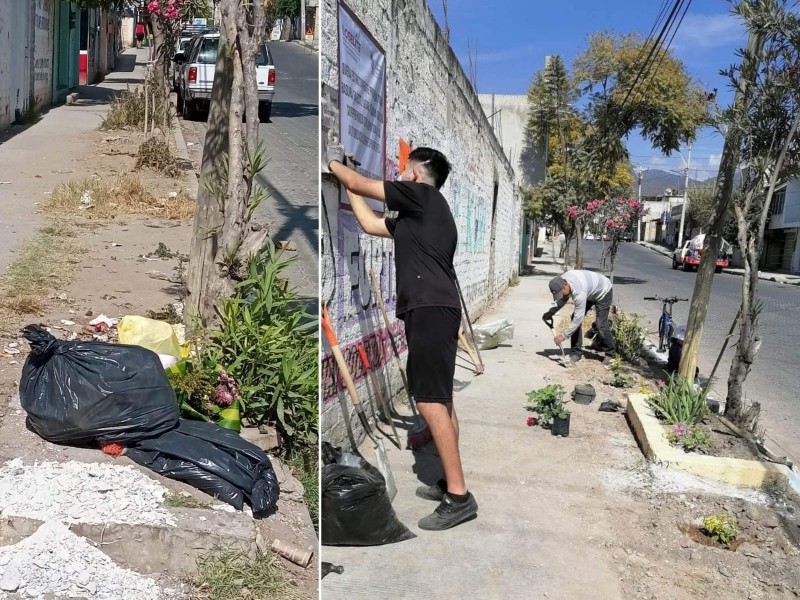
197	66
688	257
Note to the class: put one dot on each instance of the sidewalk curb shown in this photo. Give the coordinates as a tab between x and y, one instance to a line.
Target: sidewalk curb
192	177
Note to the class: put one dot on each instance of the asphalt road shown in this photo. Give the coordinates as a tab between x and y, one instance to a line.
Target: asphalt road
292	172
775	378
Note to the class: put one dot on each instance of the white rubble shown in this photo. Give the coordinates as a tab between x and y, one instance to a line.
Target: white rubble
57	562
76	492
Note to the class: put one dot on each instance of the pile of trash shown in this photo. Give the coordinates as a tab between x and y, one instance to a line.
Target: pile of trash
77	492
119	397
57	562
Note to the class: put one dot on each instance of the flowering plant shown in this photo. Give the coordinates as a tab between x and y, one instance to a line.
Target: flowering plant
206	394
692	438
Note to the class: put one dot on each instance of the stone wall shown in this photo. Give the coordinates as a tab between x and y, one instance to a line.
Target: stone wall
429	102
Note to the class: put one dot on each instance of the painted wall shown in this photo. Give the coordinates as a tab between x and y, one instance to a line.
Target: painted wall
26	49
429	102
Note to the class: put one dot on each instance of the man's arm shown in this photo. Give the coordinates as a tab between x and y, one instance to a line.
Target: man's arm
369	221
357	183
578	315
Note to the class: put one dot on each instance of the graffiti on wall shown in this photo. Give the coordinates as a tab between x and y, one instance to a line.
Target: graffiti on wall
42	51
469	210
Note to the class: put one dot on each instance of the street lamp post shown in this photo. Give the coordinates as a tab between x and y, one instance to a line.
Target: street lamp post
641	215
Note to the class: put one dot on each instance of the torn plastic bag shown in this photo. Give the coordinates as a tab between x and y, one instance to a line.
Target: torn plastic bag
491	335
83	392
356	510
214	460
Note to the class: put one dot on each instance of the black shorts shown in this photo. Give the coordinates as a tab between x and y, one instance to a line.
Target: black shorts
432	336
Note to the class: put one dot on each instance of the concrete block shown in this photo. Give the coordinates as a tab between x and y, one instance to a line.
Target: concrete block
650	434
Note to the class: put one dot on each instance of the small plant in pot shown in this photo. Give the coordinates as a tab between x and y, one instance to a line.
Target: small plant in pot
548	404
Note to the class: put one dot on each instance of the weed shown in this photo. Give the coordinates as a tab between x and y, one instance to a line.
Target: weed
619	379
224	574
721	528
778	489
93	198
44	262
128	112
184	501
304	466
156	154
169	314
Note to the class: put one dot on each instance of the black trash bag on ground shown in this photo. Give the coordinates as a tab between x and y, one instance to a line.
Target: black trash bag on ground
215	460
356	511
81	392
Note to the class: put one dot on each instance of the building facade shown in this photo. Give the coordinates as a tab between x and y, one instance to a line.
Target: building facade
782	238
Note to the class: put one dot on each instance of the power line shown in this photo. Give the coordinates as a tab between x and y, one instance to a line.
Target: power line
665	51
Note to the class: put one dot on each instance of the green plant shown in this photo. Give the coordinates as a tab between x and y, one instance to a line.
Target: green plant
268	342
547	403
224	574
679	401
619	379
629	336
721	528
205	392
692	438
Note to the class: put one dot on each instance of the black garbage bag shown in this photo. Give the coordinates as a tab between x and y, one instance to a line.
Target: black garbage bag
215	460
81	392
356	511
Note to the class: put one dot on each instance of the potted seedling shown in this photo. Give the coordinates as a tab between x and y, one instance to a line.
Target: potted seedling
548	404
560	421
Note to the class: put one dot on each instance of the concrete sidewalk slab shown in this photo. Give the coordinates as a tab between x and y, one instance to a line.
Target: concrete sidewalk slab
36	159
545	515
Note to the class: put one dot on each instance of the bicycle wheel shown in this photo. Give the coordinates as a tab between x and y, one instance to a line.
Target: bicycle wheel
662	333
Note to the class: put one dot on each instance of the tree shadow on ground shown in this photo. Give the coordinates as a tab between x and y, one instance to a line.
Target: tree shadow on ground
293	109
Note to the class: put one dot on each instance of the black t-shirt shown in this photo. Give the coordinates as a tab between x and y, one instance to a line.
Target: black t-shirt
425	238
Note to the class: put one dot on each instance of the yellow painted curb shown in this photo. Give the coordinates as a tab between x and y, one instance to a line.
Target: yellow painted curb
650	434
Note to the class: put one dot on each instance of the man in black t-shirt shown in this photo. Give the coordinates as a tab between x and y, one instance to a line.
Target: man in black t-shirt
425	237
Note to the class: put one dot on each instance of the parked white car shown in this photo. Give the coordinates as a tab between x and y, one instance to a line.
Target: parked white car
196	78
175	67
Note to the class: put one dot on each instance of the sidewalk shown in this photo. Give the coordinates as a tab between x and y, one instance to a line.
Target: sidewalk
36	159
765	275
545	517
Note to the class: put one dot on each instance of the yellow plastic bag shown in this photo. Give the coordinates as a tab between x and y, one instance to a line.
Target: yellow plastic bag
158	336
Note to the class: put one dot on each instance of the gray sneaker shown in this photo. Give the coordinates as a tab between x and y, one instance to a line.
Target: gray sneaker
433	492
449	514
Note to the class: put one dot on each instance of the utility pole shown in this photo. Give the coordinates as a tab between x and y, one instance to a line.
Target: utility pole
639	220
302	20
685	198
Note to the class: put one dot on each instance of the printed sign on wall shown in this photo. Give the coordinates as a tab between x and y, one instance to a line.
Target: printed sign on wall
362	99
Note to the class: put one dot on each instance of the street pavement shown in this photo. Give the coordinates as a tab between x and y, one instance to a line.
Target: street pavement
774	380
292	173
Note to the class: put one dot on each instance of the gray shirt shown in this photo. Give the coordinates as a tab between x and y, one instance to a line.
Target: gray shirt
585	287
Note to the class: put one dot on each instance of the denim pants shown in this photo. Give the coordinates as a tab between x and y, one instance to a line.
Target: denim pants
601	308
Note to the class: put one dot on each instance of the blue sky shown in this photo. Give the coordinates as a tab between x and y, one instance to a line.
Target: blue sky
512	42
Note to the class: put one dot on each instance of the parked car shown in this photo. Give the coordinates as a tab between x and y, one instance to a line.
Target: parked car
688	256
181	45
626	236
196	77
589	236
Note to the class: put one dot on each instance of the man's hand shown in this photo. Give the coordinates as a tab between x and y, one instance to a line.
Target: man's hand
558	339
334	152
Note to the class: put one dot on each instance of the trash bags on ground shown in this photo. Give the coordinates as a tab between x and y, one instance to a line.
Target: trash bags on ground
491	335
81	392
356	510
214	460
158	336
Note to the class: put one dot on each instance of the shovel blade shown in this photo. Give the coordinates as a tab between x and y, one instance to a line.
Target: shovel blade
385	468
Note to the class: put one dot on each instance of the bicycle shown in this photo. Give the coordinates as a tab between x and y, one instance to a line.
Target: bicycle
666	326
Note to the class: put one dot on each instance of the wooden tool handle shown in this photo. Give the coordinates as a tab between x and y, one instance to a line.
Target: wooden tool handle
377	288
337	354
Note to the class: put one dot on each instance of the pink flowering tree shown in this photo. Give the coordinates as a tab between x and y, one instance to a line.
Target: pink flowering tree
612	218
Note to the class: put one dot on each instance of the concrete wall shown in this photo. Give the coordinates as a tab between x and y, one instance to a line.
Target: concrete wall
508	115
26	50
429	103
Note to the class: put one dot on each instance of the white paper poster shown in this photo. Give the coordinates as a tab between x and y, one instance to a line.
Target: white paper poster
362	99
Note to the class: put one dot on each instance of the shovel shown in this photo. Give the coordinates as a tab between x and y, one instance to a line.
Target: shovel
564	362
378	392
380	451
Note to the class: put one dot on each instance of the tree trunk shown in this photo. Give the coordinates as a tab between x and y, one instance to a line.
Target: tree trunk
578	245
223	240
723	193
749	339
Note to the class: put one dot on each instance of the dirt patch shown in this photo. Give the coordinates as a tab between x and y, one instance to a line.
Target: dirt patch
697	534
725	443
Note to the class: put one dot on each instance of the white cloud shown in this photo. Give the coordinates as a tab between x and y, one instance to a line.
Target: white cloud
708	31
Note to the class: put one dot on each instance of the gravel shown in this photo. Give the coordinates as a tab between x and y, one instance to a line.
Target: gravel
76	492
57	562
